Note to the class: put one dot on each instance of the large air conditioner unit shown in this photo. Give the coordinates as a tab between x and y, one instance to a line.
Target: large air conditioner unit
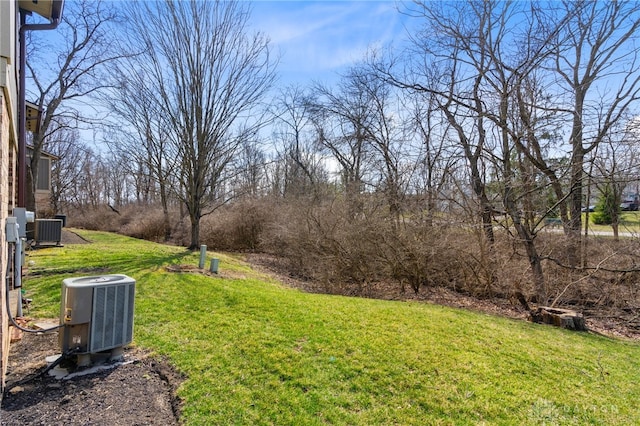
48	231
96	314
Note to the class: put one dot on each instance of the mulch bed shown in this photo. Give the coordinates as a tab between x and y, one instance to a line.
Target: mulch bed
138	391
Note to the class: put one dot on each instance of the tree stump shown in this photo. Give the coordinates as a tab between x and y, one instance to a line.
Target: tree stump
564	318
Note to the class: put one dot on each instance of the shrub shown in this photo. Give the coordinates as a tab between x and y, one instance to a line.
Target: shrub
238	226
99	218
350	252
605	207
146	224
139	221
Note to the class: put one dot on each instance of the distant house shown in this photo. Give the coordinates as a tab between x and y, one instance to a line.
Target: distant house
43	185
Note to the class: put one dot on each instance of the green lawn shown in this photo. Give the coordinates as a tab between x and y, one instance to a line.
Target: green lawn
629	222
255	352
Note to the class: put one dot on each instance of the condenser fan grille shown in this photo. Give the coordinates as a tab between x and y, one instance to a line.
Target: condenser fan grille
111	325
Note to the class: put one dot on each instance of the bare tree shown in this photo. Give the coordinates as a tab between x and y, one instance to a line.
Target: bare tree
596	63
536	126
505	74
615	170
250	178
438	156
60	85
89	189
360	125
476	55
383	126
295	142
210	76
117	180
140	133
66	170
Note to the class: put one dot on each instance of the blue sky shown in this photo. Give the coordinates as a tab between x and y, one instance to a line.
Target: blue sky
317	39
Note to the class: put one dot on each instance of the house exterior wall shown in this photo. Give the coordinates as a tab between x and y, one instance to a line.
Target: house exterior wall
4	196
42	194
8	138
43	204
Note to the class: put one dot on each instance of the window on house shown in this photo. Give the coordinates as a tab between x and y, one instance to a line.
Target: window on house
44	175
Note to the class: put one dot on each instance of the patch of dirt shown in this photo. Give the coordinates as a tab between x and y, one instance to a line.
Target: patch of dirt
67	237
70	237
140	390
193	269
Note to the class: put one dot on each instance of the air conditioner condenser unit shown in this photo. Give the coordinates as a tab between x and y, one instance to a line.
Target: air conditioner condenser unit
48	231
96	315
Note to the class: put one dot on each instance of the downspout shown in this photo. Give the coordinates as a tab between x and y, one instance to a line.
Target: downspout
22	119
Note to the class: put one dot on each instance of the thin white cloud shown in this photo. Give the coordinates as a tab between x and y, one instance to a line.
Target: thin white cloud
316	37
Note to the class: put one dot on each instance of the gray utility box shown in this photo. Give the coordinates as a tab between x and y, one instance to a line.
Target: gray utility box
96	313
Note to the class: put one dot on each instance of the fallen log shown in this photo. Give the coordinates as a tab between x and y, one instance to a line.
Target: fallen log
564	318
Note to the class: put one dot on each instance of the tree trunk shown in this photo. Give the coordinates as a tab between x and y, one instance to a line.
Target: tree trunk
577	172
30	198
195	233
165	212
536	269
195	214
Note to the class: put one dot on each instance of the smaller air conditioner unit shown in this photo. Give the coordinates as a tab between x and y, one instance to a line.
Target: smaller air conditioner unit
48	231
96	313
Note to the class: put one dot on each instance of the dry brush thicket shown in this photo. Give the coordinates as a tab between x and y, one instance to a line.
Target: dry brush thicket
343	252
